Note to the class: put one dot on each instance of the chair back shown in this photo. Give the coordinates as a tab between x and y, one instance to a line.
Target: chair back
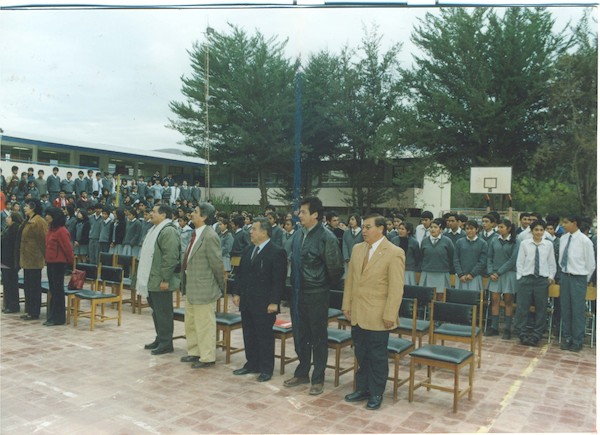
91	272
335	299
554	291
424	296
127	262
458	314
408	310
590	293
112	277
106	259
466	297
235	260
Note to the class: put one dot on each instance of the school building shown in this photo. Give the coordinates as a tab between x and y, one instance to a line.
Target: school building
419	193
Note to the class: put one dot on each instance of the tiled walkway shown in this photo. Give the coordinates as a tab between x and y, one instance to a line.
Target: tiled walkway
65	380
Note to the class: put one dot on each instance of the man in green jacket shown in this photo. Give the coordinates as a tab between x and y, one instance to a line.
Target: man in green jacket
157	276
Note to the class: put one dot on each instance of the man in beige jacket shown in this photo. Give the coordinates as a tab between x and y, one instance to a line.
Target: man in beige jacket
372	296
203	280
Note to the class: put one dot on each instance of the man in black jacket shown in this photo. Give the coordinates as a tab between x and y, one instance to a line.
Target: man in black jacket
260	281
316	268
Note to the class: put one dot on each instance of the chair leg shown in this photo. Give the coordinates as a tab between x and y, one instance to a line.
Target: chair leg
226	340
396	371
120	307
479	350
282	368
93	316
456	389
411	380
133	300
75	311
337	366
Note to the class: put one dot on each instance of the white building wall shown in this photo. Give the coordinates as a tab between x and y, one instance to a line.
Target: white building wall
435	195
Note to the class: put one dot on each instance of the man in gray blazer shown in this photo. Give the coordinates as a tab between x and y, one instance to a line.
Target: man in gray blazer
202	280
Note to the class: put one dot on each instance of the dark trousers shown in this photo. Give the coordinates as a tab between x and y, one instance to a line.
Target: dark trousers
93	250
10	282
310	336
259	343
33	291
572	301
531	291
161	303
370	349
56	286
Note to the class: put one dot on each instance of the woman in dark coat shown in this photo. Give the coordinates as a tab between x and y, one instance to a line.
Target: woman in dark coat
10	259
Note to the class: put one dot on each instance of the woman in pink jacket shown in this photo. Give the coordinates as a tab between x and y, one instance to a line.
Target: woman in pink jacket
59	254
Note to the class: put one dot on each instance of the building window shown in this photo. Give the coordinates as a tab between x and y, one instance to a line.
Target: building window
17	154
334	178
54	157
87	161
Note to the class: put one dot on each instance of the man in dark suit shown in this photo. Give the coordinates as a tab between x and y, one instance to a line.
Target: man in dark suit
241	238
372	295
260	282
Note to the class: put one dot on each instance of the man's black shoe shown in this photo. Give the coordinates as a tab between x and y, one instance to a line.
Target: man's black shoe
189	359
491	332
374	402
243	371
357	396
162	350
575	347
565	345
28	317
263	377
202	365
151	346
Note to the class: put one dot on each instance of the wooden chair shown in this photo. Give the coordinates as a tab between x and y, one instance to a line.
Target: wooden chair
461	333
282	330
338	339
128	264
109	277
106	259
590	313
445	357
425	297
91	277
226	324
553	295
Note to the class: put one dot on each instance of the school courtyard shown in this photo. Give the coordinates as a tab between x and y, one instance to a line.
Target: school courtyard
65	380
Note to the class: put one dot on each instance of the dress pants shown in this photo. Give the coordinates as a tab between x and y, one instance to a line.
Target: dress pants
310	336
259	343
56	286
531	291
10	282
201	331
161	303
572	302
370	349
94	249
33	291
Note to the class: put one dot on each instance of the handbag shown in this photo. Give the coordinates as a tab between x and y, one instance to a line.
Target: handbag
77	280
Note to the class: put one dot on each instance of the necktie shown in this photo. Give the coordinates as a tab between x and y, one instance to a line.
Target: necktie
366	260
434	241
565	257
254	253
536	270
187	253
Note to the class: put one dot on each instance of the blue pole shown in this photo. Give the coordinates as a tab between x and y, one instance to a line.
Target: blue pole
297	143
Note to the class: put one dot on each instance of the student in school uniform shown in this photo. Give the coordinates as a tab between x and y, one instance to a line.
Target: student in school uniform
502	270
470	259
422	229
577	264
412	252
536	268
106	226
226	243
524	221
133	232
437	253
488	228
453	230
351	237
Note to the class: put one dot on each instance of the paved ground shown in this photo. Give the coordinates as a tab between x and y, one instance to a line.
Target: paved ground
66	380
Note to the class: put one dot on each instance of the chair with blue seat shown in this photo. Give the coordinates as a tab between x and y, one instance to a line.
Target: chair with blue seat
91	277
110	277
425	297
128	263
338	339
446	357
282	330
226	324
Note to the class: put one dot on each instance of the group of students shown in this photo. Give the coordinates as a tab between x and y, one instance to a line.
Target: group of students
520	261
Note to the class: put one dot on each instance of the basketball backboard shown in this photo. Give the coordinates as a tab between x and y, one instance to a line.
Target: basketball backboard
491	180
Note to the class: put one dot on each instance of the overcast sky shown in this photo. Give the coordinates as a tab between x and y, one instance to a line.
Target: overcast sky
107	76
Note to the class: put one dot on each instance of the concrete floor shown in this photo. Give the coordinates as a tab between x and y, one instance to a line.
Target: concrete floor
65	380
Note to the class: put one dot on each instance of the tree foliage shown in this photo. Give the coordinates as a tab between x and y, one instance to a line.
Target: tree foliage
251	105
477	93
